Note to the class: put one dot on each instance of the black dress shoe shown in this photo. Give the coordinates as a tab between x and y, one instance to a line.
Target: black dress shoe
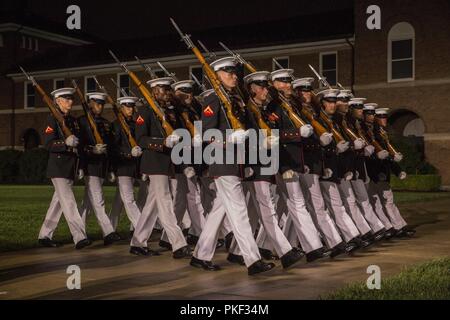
205	265
362	243
220	243
266	254
49	243
317	254
83	244
165	245
181	253
351	246
405	233
389	234
228	240
234	258
260	267
192	240
338	250
379	235
291	258
138	251
111	238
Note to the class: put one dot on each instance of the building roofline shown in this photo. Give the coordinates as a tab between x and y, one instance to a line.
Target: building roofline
8	27
182	60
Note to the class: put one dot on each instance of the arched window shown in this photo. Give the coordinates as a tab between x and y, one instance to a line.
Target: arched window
401	52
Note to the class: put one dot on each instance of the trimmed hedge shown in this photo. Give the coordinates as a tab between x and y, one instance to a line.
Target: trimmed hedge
422	183
20	167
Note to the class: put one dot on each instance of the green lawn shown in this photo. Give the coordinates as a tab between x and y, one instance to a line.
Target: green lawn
23	208
427	281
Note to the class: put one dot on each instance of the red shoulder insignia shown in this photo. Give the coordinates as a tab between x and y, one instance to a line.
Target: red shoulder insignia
49	130
208	112
140	121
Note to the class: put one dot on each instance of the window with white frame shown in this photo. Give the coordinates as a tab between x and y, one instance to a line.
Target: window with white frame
89	85
36	45
58	84
29	95
197	71
329	67
282	61
123	80
401	52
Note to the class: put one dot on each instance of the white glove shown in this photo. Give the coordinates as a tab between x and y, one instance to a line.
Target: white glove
172	140
238	137
398	157
402	175
348	176
111	177
382	155
359	144
144	177
197	141
342	146
271	141
307	170
306	131
290	174
326	139
189	172
369	150
327	173
248	172
72	141
136	152
99	149
80	174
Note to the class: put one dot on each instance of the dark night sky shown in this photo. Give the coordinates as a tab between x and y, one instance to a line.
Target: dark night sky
137	18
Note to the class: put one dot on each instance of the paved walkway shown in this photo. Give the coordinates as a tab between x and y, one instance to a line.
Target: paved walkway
112	273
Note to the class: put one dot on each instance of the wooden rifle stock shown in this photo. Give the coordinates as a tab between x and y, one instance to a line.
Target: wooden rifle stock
97	137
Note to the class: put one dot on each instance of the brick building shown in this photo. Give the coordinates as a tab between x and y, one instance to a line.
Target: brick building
404	66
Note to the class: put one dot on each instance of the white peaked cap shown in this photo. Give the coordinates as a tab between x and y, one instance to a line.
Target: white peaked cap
382	111
206	93
329	93
345	94
223	63
282	73
124	100
357	101
257	76
183	84
302	82
160	82
96	95
63	92
370	106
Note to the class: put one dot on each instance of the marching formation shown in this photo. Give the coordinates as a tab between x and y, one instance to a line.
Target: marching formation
330	195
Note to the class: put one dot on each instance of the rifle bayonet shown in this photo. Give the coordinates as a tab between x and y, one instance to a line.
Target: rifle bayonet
169	74
184	37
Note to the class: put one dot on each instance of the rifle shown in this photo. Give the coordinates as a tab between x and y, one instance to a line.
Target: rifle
337	136
147	68
119	115
212	55
169	74
215	82
94	130
124	93
147	95
201	85
384	135
53	109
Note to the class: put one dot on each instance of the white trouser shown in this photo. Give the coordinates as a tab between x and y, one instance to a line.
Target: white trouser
125	186
349	200
302	221
264	201
334	202
315	199
94	200
63	201
187	204
230	202
381	194
159	204
363	200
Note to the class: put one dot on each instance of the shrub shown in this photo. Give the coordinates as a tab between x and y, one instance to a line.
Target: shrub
9	165
32	166
417	183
